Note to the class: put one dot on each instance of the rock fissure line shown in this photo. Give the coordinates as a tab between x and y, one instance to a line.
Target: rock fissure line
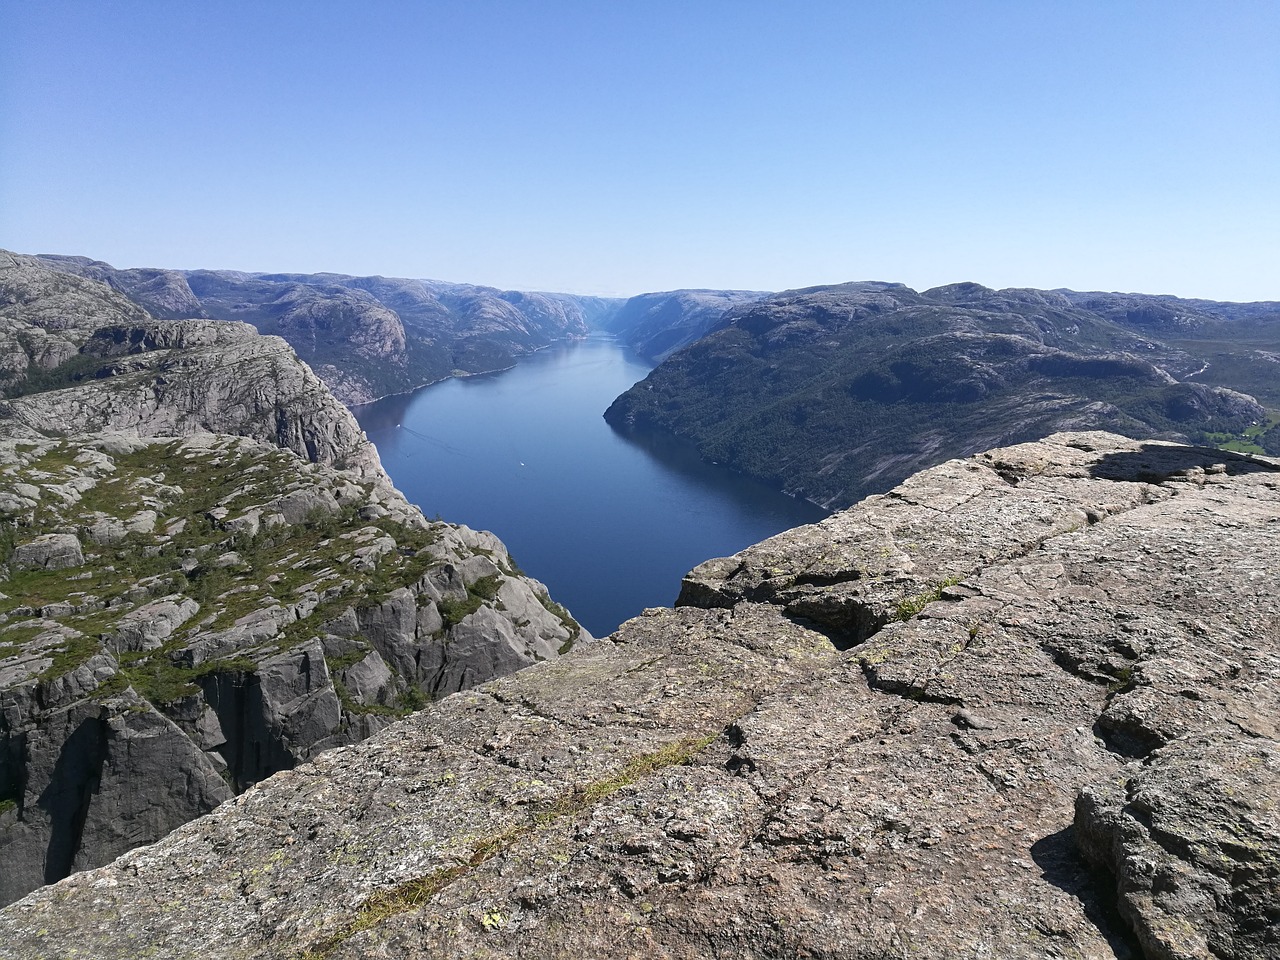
416	892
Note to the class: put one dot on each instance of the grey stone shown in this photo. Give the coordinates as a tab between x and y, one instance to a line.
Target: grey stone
151	624
369	679
244	678
910	776
53	551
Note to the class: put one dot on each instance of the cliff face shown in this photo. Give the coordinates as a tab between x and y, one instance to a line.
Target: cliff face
205	577
1022	706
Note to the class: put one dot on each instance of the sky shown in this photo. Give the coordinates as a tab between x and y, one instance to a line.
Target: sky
615	148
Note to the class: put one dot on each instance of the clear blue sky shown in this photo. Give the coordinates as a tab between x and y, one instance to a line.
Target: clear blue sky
613	147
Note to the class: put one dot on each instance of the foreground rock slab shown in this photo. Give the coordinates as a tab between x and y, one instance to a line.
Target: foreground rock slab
1023	706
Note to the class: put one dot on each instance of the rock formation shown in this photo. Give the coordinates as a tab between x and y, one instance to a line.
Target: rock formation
205	577
1021	706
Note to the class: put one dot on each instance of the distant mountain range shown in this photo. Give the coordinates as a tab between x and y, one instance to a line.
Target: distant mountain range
366	337
830	393
836	392
656	325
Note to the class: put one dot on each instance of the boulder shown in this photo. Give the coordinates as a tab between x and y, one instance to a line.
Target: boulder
53	551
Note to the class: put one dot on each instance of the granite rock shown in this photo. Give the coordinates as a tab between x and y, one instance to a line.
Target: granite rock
206	571
1035	720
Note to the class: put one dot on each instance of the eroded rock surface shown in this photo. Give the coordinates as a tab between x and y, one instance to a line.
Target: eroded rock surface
184	611
1033	717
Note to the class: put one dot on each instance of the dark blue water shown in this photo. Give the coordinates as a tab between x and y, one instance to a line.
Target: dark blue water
609	523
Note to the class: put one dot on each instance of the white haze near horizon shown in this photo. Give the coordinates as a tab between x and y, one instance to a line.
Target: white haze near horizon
616	149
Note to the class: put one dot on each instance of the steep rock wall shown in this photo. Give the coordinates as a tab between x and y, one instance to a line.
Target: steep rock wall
184	611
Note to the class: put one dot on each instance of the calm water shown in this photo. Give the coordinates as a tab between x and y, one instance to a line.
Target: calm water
609	524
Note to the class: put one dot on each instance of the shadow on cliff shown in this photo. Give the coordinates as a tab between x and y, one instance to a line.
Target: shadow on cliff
1062	865
76	777
1156	463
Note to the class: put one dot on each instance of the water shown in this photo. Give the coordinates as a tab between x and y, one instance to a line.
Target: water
609	523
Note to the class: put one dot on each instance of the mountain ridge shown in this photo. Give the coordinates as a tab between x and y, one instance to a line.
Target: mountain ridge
366	337
836	391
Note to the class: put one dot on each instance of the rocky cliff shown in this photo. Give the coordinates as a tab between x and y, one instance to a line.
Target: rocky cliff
1022	706
833	393
205	576
366	337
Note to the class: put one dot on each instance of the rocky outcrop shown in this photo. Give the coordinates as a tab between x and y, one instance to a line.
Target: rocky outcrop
1022	706
238	384
151	377
233	609
162	293
46	316
206	578
53	551
834	393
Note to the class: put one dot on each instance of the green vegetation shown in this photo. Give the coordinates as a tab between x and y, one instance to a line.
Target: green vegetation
561	614
1122	681
162	681
908	607
454	610
77	368
187	487
72	654
1260	438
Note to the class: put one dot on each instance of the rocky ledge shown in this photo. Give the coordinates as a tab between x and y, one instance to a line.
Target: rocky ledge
1022	706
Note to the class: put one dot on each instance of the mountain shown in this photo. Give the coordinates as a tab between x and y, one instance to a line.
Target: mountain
1023	706
205	576
365	336
1240	342
656	325
835	392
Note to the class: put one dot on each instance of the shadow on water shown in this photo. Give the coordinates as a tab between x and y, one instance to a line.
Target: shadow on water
678	455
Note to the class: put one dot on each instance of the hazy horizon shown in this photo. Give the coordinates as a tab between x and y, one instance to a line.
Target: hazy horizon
609	150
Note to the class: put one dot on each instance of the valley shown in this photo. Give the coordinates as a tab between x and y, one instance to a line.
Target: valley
609	521
231	636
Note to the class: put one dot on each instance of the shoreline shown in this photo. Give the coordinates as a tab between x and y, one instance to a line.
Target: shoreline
461	376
